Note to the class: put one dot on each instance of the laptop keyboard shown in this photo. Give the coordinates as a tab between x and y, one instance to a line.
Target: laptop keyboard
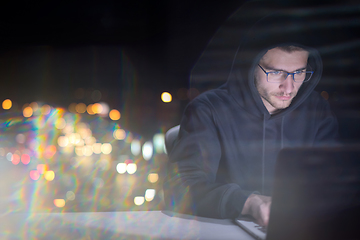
263	229
254	229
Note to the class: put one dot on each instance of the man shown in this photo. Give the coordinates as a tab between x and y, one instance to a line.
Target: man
286	71
222	163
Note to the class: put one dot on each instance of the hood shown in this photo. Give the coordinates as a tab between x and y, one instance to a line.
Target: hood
279	28
244	38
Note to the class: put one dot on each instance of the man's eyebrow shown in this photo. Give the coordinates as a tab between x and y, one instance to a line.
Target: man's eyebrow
277	69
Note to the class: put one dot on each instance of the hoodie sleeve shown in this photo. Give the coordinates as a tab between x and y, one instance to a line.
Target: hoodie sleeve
191	185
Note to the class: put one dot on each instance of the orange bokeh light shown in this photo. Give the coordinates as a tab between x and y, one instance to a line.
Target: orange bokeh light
114	115
80	107
7	104
97	108
59	203
89	109
28	112
119	134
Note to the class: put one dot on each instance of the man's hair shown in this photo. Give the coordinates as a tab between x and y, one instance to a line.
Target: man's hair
291	48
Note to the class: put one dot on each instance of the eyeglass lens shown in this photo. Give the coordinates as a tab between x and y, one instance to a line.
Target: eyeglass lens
297	77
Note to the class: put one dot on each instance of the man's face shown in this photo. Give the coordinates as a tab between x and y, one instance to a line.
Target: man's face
277	96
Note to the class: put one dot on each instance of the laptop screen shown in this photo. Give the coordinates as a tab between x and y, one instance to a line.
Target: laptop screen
316	194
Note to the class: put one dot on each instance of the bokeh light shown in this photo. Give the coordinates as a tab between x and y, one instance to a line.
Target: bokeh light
49	175
34	106
80	108
135	147
106	148
25	159
121	168
63	141
105	109
45	109
28	112
119	134
97	108
59	203
15	159
74	138
114	115
131	168
153	177
149	194
139	200
60	123
89	109
166	97
7	104
9	156
147	150
85	133
88	150
34	175
70	195
96	147
159	142
60	153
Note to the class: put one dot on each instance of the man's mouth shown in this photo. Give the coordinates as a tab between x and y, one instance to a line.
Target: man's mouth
283	97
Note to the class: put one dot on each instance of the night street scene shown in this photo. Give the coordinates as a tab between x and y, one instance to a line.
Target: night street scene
88	91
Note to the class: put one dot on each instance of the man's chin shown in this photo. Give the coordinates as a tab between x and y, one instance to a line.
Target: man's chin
278	104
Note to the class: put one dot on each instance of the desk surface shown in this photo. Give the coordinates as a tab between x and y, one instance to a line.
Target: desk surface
116	225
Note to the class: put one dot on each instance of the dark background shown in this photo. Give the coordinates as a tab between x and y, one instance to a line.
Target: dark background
49	50
132	51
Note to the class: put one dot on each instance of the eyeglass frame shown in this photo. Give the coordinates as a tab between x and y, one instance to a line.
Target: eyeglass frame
288	73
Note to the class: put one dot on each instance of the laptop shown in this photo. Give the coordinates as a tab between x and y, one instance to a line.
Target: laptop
316	195
251	227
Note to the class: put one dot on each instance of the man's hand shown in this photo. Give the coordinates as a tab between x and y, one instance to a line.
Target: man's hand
258	206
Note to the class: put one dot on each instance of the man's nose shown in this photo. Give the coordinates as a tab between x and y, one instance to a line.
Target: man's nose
287	86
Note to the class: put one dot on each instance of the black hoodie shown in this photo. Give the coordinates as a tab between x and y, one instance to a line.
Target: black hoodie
228	142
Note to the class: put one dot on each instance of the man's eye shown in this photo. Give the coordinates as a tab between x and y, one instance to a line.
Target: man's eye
276	72
299	72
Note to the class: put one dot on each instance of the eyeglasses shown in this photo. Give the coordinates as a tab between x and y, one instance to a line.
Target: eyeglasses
280	76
